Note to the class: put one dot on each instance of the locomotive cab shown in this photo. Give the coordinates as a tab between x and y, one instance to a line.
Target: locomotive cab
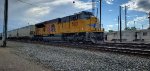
95	34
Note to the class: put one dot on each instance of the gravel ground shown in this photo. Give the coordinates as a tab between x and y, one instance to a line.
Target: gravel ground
70	59
12	62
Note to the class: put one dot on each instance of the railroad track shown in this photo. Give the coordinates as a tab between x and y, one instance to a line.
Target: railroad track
128	48
133	49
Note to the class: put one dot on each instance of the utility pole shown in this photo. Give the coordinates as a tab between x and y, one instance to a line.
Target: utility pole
134	24
5	23
125	17
97	13
120	26
142	26
29	28
100	14
118	22
149	20
93	6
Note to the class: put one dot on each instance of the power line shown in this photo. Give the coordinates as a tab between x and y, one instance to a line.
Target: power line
33	4
40	6
27	3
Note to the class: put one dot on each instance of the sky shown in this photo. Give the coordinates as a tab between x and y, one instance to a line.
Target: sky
30	12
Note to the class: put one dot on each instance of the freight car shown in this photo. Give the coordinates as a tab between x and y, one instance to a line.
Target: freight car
24	33
81	26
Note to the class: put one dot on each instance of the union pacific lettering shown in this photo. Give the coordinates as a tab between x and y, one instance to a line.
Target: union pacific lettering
74	23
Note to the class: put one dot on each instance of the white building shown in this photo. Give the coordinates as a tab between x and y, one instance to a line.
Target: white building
129	36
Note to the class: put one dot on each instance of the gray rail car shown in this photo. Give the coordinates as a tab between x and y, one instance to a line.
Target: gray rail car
23	32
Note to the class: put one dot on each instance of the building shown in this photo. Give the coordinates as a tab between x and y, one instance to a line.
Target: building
129	36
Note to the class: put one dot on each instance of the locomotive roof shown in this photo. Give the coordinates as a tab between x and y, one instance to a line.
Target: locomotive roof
54	20
86	12
63	18
39	25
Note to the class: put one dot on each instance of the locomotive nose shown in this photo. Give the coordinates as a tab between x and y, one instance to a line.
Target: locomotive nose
96	37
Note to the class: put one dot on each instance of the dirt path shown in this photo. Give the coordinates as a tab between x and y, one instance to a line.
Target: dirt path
11	62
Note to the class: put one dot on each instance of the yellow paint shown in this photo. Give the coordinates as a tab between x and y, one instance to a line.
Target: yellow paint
77	26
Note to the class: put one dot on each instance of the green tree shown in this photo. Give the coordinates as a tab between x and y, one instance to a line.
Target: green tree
128	28
111	31
133	28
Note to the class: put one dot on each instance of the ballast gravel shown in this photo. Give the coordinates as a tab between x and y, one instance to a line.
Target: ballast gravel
71	59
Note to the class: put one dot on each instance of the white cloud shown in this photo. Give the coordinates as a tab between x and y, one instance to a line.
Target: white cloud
47	7
110	10
38	11
138	5
128	16
109	27
109	1
60	2
115	19
138	20
83	5
35	11
79	4
116	24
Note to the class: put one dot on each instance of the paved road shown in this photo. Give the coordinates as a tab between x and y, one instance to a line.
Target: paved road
12	62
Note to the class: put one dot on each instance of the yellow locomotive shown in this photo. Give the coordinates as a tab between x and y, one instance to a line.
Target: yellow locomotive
82	26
